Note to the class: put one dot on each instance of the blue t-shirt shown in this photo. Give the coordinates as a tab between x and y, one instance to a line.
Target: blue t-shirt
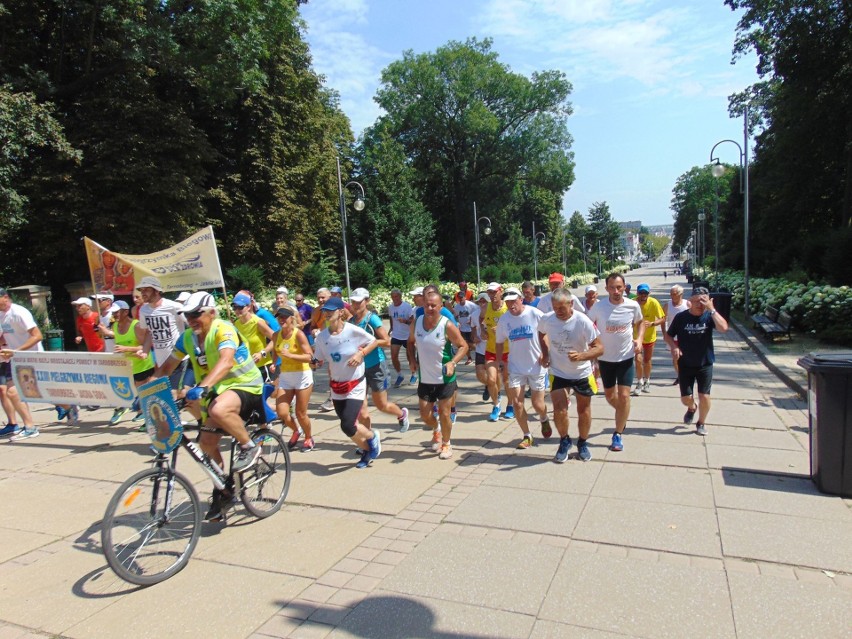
269	318
420	311
370	323
694	335
533	303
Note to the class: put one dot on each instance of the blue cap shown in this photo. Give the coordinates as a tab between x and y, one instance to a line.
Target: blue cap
336	289
241	299
333	304
643	288
122	305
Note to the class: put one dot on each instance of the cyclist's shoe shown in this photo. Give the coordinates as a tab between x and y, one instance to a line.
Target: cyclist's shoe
375	445
10	430
216	506
245	459
365	459
117	414
546	430
294	439
403	421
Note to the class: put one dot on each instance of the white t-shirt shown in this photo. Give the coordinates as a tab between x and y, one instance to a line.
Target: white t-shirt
337	350
545	303
463	314
615	323
434	350
522	333
109	342
674	309
475	317
165	325
574	334
15	325
403	311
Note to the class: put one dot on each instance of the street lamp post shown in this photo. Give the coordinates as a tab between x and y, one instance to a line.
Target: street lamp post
535	249
358	205
487	231
702	239
718	170
600	266
586	248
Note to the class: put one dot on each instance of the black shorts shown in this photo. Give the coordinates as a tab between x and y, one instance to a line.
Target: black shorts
5	372
348	410
468	336
479	359
617	373
580	386
144	375
688	375
399	342
251	405
435	392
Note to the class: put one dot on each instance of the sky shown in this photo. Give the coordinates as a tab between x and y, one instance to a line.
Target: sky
651	78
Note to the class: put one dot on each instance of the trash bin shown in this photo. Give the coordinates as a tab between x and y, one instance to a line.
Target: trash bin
830	416
722	303
53	340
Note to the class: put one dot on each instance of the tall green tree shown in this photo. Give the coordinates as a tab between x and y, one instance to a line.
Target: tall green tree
697	191
604	231
476	132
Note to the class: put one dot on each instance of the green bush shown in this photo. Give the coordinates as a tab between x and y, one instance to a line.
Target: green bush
362	274
395	276
428	272
246	276
319	274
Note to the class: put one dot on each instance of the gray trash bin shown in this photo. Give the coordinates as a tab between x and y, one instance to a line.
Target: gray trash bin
830	413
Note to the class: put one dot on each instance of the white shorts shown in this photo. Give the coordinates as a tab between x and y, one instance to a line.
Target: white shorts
533	382
298	380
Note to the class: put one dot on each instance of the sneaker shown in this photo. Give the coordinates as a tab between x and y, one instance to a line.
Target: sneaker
9	430
676	382
435	411
413	378
326	406
546	430
294	439
246	458
143	428
700	429
117	414
61	413
617	445
26	433
526	442
688	415
403	421
437	440
365	459
398	381
375	445
510	413
216	506
453	415
562	452
446	452
308	445
485	395
74	415
140	417
583	452
636	390
495	414
646	387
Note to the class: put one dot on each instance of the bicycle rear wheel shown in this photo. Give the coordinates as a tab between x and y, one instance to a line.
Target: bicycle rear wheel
264	486
142	543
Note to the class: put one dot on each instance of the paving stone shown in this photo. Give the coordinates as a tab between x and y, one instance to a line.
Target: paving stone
638	482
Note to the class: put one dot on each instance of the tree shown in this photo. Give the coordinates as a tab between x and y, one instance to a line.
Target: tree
474	131
604	231
697	191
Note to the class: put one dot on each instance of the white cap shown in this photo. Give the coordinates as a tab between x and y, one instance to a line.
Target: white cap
494	286
483	297
197	302
511	293
360	294
82	300
416	291
283	289
149	281
183	296
104	295
591	288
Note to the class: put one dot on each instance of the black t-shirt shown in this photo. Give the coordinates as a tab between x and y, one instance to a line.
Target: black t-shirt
694	335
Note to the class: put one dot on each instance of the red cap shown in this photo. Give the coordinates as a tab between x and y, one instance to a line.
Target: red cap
556	277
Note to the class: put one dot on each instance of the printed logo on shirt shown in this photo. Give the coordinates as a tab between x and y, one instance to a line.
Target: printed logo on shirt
522	332
611	327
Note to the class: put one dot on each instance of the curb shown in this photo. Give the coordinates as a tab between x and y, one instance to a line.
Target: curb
763	356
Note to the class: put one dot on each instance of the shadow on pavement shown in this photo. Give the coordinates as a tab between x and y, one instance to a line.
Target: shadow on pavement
769	480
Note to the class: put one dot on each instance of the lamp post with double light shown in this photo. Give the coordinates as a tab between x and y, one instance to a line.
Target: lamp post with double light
536	241
487	231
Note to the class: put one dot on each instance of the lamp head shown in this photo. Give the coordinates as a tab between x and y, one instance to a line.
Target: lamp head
487	230
358	205
718	169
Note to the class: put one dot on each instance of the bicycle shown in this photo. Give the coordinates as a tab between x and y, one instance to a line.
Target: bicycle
152	522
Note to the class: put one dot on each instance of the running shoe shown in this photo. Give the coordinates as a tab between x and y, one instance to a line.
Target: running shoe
308	445
689	415
436	440
646	387
403	421
676	382
117	414
562	452
398	381
74	415
546	430
10	430
700	429
617	445
485	394
327	406
495	414
140	417
216	505
435	411
294	439
365	459
26	433
446	452
510	413
453	415
245	459
583	452
637	390
375	445
61	413
526	442
413	379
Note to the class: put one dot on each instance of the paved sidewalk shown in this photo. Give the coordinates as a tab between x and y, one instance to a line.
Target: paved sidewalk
676	536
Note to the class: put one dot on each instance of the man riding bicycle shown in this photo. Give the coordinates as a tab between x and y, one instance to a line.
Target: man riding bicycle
229	386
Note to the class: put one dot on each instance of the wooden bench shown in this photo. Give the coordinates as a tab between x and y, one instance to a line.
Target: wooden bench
779	328
770	317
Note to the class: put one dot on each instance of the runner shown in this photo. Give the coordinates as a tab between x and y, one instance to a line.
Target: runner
652	316
555	281
401	317
675	305
87	323
464	294
20	333
317	325
530	298
497	371
129	337
479	340
569	343
520	327
163	323
257	335
462	312
615	317
296	378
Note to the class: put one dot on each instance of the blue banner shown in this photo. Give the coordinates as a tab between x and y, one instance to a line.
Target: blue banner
162	417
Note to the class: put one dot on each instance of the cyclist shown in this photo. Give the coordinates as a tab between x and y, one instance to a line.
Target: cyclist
230	390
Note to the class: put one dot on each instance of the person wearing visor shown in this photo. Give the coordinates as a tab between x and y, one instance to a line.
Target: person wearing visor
345	347
257	335
296	379
652	317
230	386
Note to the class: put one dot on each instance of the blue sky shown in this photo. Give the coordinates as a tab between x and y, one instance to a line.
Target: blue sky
651	78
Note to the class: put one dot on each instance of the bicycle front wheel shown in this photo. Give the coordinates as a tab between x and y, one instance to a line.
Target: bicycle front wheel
151	526
264	486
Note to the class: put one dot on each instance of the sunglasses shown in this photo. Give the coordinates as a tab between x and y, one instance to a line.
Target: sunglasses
193	315
237	307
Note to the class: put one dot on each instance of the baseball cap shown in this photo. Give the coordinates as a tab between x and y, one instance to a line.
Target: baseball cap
591	288
149	281
82	300
494	286
113	308
416	291
198	301
483	297
336	289
556	277
183	296
286	311
120	304
643	288
104	295
700	290
359	294
333	304
283	289
510	294
3	292
241	299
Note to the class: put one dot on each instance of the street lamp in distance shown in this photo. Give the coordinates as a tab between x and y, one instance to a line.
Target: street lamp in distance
487	231
358	205
536	241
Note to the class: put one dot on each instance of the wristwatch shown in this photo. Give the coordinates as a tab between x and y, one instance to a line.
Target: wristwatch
713	312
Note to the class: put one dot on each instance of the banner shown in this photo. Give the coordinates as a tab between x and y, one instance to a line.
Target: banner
91	379
190	265
162	418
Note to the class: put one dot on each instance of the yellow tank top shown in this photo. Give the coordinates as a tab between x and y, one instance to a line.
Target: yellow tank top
290	344
255	340
129	339
490	321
